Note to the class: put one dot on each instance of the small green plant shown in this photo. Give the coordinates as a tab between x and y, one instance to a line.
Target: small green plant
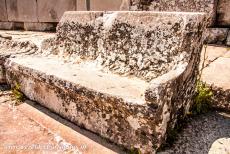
203	98
17	93
134	151
204	94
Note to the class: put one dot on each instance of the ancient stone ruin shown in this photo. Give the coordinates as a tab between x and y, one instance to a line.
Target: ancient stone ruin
123	75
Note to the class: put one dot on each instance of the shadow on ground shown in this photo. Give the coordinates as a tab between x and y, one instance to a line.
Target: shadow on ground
200	134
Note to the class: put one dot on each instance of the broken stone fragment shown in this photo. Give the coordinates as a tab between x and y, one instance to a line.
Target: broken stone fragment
215	35
228	39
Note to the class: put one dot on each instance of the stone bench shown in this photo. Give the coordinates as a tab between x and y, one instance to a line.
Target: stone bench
123	75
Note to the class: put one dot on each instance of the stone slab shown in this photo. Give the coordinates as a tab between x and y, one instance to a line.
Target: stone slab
216	74
84	141
52	10
109	5
99	115
6	25
19	11
39	26
218	64
210	53
87	75
223	15
3	12
208	6
17	130
81	5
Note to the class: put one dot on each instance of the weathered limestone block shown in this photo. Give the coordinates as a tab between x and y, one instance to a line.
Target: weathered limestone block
215	35
22	10
52	10
208	6
96	88
223	15
125	43
3	13
109	5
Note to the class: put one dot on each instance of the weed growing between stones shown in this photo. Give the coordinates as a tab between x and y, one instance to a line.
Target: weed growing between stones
202	99
204	94
202	104
18	95
134	151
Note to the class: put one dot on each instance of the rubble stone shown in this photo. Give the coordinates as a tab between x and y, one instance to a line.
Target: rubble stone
215	35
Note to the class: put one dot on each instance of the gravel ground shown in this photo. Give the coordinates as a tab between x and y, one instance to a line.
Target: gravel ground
204	134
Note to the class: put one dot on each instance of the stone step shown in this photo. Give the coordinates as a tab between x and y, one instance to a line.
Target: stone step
123	75
84	141
27	127
216	74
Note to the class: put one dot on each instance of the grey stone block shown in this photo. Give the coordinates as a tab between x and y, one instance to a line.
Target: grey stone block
215	35
32	26
223	13
6	25
52	10
81	5
3	12
22	10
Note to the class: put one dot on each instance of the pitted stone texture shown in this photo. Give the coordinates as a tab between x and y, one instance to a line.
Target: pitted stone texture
3	12
145	45
223	15
102	101
111	116
215	35
19	11
52	10
208	6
